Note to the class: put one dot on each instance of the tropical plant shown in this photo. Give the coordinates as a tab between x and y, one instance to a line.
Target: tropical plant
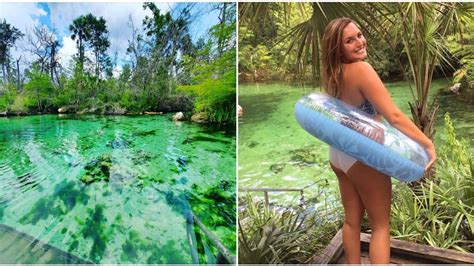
81	33
267	236
461	46
423	28
440	211
292	234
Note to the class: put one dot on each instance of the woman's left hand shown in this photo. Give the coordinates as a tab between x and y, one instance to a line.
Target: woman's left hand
432	154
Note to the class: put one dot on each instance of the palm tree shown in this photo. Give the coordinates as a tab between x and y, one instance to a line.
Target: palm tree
80	31
423	29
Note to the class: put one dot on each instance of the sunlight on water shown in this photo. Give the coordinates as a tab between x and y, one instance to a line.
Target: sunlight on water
117	189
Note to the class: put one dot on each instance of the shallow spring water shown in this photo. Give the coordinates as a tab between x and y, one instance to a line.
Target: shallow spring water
117	189
275	152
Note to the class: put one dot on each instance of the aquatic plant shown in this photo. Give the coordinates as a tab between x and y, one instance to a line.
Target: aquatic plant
222	198
165	254
131	246
97	170
304	156
64	199
95	228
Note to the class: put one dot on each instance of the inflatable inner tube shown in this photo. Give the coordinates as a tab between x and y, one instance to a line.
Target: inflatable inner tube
352	131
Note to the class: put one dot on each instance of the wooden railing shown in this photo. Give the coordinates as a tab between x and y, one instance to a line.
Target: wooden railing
266	192
192	219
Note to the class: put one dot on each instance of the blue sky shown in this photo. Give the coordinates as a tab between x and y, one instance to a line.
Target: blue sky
59	16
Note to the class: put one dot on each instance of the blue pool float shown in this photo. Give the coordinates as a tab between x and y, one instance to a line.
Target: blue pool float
349	130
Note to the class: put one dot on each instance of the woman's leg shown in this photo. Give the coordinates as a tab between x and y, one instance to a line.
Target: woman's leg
354	210
375	191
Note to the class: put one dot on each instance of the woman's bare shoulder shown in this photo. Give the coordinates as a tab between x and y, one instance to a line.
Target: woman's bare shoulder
359	73
361	66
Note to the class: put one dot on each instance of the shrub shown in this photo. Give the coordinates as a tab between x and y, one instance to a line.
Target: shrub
283	235
440	212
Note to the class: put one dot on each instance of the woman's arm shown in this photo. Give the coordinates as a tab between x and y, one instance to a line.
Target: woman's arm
373	89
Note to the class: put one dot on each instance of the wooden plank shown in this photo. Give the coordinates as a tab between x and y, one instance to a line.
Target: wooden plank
215	241
395	257
401	252
425	253
191	235
331	252
21	248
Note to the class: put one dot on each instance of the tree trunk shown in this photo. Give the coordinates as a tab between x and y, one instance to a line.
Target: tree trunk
220	45
4	73
9	76
18	73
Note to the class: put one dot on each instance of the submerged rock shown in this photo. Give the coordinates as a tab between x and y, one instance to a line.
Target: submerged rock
118	144
97	170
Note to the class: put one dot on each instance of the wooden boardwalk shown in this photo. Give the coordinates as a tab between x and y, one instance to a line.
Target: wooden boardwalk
17	247
401	252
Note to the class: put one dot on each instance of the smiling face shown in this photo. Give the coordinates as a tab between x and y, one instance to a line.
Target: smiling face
354	44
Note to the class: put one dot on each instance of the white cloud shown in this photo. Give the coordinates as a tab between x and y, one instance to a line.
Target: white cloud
23	16
116	15
117	71
20	15
67	51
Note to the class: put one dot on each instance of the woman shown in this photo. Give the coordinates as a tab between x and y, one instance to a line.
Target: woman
347	77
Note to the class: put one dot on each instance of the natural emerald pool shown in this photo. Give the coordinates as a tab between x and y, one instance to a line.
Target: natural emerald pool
118	189
275	152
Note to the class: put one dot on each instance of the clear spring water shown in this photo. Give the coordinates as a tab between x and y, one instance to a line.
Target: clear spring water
117	189
275	152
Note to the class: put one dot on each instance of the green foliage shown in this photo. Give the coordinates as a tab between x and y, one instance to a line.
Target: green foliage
213	81
262	49
7	96
215	96
39	89
160	60
267	236
461	46
440	212
8	36
277	235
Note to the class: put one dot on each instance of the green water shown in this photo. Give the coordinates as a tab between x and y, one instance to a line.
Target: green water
117	189
274	152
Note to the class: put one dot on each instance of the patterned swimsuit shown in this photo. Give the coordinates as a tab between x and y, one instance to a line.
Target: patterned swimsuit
341	160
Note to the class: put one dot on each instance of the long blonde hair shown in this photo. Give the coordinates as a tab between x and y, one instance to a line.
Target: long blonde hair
332	56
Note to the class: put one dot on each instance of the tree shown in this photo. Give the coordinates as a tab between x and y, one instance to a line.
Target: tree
213	81
39	87
179	41
43	44
81	33
423	28
98	41
157	25
8	36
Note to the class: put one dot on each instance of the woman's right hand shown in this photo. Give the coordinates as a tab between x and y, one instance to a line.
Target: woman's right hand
432	154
